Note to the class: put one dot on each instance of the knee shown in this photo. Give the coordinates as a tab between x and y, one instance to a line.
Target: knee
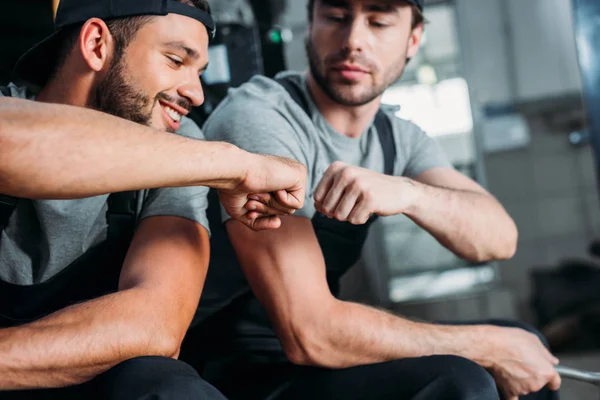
154	377
463	379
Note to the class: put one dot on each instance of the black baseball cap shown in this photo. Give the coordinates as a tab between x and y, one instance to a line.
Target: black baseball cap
418	3
38	63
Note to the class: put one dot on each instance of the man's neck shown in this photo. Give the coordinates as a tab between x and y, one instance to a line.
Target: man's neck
59	91
347	120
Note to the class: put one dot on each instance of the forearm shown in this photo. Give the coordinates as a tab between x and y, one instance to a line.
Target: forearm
473	225
58	151
75	344
353	334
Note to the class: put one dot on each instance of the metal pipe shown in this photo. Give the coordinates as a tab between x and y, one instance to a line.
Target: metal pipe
579	375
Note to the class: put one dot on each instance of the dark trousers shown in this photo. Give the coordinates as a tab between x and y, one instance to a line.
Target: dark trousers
143	378
441	377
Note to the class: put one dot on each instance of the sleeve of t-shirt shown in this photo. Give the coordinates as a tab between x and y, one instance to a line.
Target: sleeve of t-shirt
257	127
421	152
186	202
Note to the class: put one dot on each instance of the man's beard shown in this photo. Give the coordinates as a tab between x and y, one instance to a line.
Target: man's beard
116	96
338	91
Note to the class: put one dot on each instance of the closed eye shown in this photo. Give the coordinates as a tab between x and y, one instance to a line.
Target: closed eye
178	62
378	24
335	18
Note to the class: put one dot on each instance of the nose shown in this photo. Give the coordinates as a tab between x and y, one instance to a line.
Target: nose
192	90
355	35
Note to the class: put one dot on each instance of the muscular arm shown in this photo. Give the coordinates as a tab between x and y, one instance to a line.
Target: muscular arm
158	294
58	151
286	272
462	216
458	212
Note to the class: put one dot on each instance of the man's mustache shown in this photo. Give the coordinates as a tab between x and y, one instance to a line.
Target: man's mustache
180	101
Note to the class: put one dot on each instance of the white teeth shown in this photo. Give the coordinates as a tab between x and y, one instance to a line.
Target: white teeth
172	113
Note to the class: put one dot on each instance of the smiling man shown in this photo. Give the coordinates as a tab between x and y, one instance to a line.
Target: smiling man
97	290
271	326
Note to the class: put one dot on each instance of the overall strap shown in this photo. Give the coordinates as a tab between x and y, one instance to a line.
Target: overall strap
121	217
295	93
386	138
7	207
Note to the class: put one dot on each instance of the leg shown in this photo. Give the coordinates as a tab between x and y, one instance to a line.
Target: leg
152	378
425	378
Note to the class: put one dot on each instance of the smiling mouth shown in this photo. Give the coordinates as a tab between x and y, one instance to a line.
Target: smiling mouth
174	115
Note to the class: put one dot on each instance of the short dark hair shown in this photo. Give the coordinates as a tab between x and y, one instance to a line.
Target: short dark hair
123	31
417	14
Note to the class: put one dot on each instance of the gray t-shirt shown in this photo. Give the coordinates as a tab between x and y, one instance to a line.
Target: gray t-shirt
44	236
261	117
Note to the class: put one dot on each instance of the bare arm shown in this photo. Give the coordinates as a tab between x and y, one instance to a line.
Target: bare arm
462	216
286	271
52	151
158	294
457	211
59	151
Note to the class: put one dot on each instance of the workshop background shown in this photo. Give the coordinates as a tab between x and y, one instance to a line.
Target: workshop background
511	90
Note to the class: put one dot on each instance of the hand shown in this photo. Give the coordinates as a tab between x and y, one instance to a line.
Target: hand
272	186
520	363
350	193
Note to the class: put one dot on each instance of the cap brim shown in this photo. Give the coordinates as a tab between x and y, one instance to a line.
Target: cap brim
39	62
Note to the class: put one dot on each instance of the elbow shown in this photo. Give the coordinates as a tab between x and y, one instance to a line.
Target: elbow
166	345
154	337
507	245
302	348
159	342
306	341
502	248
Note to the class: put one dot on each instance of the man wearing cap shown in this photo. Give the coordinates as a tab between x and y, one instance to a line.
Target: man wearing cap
78	319
271	326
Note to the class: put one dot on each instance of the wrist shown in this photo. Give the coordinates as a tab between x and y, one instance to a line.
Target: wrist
481	345
411	194
229	164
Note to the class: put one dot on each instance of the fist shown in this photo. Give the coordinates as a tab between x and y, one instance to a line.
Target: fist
350	193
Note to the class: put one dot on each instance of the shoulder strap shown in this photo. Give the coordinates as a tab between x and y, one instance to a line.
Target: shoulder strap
295	93
382	124
7	207
121	217
386	138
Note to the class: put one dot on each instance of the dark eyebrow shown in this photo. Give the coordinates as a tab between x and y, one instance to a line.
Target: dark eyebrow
373	7
336	3
191	53
382	8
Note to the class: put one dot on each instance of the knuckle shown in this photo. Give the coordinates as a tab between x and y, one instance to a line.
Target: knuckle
347	174
339	216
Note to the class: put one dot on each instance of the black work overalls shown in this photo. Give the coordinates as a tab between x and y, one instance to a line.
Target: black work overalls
92	275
